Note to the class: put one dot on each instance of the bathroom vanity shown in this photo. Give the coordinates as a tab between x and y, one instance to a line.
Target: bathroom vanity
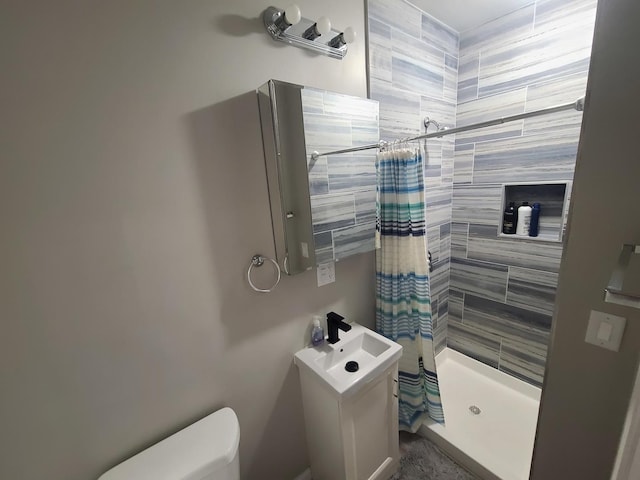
351	417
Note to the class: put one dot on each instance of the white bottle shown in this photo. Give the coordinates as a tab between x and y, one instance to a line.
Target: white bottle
524	219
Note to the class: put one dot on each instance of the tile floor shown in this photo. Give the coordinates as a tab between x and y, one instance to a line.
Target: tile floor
420	459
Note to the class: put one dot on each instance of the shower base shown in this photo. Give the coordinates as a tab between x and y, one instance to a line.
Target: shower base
490	418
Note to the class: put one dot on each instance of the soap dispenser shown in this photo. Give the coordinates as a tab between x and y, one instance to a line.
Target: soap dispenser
317	333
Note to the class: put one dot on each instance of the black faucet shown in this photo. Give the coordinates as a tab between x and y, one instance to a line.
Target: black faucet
335	322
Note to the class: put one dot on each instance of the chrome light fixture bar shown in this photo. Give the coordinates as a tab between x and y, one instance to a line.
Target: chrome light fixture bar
289	26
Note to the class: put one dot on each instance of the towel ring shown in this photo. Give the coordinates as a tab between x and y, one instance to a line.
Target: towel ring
285	264
258	261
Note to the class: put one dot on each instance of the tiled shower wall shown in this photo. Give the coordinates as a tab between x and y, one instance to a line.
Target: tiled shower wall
497	304
413	66
502	289
342	187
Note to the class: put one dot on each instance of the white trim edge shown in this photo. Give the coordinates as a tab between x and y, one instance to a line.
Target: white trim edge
627	464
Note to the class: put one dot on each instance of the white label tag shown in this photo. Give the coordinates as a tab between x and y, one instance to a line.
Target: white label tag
326	273
305	249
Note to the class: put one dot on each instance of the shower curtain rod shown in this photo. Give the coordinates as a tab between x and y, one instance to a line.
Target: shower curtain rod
577	105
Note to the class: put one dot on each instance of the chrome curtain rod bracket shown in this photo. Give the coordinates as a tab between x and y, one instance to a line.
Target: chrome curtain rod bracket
577	105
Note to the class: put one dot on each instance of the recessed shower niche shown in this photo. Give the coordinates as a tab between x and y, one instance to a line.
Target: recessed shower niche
553	198
322	209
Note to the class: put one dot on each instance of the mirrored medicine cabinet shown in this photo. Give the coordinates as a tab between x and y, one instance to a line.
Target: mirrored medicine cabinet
322	210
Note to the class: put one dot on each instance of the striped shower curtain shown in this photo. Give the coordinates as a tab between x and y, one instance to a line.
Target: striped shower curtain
403	302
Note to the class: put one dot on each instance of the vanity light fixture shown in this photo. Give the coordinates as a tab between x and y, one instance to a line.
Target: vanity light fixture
288	25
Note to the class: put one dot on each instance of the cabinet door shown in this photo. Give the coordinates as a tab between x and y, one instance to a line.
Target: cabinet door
371	431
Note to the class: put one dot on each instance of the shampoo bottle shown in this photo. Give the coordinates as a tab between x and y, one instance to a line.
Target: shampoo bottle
535	220
524	219
317	333
509	219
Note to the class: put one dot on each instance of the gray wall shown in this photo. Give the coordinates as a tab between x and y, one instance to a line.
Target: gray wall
413	69
132	196
586	390
503	289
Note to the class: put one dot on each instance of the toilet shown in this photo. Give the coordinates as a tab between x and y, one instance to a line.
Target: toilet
206	450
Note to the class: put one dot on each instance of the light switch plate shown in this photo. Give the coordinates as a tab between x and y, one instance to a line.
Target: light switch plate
615	330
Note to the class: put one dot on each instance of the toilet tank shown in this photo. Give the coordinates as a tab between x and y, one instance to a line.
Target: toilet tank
206	450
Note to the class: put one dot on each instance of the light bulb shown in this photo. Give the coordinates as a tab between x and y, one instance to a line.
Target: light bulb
323	25
292	14
349	35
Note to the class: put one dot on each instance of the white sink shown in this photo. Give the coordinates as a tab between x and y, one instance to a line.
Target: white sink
373	353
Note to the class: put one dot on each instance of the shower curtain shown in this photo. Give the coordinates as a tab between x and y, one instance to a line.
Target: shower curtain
403	303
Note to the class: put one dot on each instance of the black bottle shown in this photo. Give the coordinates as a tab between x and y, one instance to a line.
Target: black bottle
510	219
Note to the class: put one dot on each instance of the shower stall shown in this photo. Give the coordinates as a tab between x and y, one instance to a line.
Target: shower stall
492	294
